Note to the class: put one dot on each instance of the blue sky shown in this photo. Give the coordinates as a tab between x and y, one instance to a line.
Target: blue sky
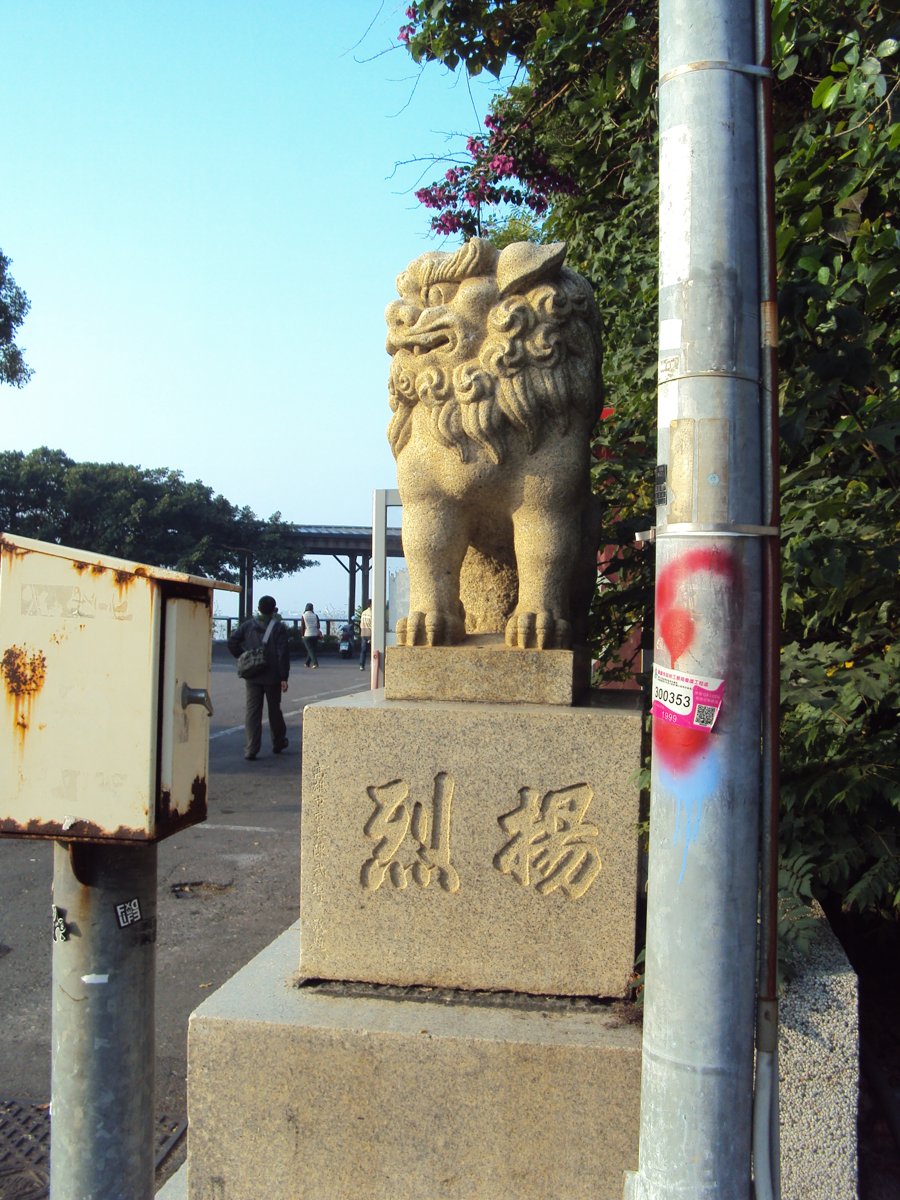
200	200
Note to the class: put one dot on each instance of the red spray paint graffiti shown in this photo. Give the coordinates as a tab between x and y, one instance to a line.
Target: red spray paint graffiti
676	628
679	746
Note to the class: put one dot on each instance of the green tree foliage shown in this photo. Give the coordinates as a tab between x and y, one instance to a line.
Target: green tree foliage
837	164
575	138
152	516
14	305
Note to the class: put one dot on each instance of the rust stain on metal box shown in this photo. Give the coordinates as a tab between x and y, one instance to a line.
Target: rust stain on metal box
170	819
70	831
11	549
23	674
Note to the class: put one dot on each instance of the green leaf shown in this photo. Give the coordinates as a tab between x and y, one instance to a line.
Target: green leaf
826	93
788	66
812	221
810	264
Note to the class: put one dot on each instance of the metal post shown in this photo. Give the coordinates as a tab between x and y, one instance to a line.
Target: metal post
104	958
242	597
697	1085
766	1132
351	600
248	595
382	499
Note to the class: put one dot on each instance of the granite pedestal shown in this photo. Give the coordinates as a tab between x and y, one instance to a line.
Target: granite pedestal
479	846
354	1093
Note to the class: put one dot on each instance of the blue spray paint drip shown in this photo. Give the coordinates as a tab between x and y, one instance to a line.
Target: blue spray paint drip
691	791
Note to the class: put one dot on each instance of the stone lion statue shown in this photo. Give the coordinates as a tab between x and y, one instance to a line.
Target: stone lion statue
495	386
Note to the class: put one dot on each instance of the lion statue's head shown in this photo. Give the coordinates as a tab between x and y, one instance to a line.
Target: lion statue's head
495	345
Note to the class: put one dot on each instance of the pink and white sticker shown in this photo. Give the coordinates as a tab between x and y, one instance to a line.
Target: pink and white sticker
688	700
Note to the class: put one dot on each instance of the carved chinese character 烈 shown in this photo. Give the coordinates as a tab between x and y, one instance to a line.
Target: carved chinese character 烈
412	839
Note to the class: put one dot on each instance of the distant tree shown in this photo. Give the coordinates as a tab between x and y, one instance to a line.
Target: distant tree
153	516
14	306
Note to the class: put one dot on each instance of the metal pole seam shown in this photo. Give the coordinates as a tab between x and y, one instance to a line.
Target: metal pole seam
714	64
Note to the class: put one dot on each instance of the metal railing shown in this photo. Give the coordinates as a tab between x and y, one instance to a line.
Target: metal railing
331	626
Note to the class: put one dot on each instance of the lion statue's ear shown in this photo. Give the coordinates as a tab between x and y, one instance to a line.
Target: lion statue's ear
522	263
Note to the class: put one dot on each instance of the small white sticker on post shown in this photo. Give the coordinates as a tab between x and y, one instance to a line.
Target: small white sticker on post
692	701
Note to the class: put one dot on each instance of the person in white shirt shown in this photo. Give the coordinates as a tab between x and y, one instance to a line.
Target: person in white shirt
365	635
310	635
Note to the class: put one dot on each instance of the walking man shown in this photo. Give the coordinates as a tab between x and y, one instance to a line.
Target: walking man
265	630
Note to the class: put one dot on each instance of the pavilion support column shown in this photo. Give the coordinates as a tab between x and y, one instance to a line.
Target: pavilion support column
351	605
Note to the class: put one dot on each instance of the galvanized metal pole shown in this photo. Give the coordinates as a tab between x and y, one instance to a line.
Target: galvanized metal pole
382	500
697	1086
104	958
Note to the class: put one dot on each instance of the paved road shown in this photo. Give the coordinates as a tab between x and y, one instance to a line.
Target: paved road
226	889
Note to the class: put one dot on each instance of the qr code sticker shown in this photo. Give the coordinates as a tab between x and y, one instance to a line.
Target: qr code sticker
705	715
128	913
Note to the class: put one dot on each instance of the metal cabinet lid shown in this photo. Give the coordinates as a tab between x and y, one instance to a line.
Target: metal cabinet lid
13	544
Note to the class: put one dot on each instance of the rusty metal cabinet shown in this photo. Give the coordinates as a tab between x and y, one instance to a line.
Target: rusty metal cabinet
104	676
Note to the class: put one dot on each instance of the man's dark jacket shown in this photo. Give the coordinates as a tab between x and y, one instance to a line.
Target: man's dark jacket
250	634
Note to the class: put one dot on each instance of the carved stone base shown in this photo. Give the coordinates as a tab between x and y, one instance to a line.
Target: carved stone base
484	669
480	846
362	1097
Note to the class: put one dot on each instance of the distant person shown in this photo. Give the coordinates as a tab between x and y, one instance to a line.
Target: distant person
271	683
311	630
365	635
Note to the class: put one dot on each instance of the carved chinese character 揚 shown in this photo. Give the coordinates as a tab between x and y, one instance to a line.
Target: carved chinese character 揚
550	843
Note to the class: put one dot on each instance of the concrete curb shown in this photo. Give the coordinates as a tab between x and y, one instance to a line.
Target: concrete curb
818	1047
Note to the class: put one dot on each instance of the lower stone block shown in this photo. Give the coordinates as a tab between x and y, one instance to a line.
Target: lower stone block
484	670
480	846
351	1095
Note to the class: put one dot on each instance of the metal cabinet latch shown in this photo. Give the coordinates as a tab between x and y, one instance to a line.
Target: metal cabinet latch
191	695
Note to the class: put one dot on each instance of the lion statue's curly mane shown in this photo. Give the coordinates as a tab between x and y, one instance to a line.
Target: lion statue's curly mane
496	369
538	360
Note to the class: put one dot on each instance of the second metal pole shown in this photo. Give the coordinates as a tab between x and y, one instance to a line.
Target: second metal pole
103	1037
697	1071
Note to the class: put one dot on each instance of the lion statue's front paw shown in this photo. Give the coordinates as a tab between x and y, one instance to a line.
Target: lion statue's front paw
538	631
430	629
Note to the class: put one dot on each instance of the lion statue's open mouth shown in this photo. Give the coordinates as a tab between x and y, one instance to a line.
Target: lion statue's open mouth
494	387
